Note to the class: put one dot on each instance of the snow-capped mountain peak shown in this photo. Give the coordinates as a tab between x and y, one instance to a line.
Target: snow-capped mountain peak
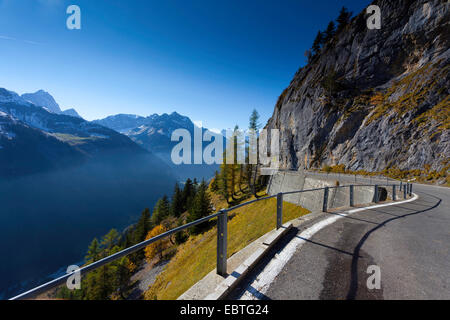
43	99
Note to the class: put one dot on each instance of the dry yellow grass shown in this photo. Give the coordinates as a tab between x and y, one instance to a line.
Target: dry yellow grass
197	257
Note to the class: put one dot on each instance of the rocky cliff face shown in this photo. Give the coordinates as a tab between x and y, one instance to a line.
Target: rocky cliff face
42	99
373	99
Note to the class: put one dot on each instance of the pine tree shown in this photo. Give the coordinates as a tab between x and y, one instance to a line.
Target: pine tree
128	240
201	207
177	206
142	227
308	55
161	211
329	32
188	194
317	44
343	19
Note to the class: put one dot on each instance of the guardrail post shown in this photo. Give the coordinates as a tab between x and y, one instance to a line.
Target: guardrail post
401	185
393	193
222	221
325	199
404	191
351	195
376	197
279	210
410	189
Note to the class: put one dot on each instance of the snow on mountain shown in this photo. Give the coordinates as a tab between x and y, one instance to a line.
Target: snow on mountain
154	134
132	124
43	99
7	96
92	137
122	122
40	111
5	121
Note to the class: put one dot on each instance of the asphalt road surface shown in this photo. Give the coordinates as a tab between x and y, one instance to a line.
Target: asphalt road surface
408	242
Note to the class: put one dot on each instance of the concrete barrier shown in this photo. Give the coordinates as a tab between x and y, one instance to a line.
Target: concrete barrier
285	181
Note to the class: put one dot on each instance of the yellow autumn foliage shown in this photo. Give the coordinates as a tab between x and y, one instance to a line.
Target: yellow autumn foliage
152	250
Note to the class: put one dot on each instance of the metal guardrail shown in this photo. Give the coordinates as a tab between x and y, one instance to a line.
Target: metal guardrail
222	223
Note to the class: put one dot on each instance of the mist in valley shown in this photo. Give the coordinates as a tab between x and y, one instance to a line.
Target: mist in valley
47	220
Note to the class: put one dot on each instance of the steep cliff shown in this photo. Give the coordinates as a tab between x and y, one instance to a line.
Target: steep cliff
373	99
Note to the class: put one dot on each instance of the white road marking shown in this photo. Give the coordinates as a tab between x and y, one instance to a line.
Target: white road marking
259	287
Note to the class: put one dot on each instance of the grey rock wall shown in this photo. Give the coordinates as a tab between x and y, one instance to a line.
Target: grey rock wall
388	104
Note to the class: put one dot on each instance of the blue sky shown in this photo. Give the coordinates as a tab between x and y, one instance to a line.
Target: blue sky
213	61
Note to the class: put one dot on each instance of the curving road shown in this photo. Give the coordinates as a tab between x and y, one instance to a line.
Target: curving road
409	242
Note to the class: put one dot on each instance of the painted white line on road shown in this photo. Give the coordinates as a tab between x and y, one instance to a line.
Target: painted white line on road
259	287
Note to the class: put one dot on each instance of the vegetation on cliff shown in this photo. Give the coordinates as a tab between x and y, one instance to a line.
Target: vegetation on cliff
372	100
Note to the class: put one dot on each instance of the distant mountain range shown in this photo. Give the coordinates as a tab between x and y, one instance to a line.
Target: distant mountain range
32	139
154	134
64	181
43	99
32	126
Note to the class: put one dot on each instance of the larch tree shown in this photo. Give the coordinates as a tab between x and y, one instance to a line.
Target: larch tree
110	240
254	126
156	248
93	253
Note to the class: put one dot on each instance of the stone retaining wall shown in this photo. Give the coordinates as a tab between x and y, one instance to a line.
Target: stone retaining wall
284	181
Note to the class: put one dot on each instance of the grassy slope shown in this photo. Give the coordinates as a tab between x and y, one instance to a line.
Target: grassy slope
197	257
72	139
